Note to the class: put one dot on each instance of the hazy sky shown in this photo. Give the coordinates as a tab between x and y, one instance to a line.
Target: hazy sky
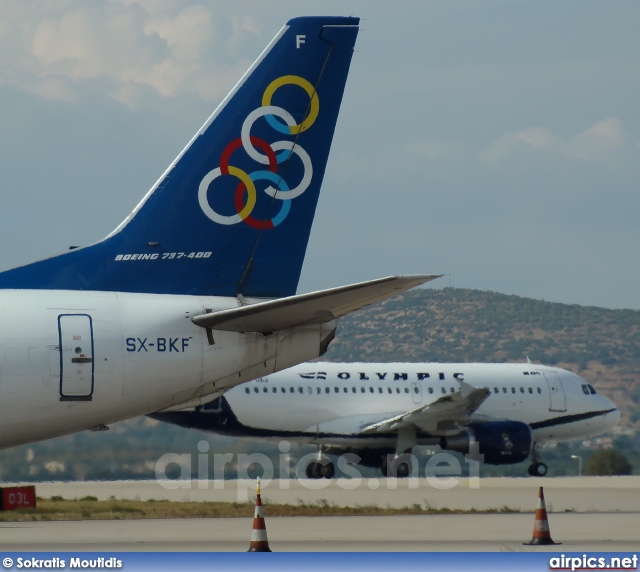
498	142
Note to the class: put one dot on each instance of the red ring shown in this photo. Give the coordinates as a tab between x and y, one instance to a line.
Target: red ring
257	142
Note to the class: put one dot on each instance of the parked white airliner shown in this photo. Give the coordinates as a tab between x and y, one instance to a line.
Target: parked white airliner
195	291
380	411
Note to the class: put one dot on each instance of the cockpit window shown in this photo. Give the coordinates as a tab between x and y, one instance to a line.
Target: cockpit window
585	389
593	391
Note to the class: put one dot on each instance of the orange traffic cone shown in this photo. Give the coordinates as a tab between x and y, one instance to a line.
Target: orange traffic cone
259	541
541	533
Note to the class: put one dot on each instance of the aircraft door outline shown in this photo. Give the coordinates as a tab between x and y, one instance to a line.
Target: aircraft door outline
416	392
557	396
75	344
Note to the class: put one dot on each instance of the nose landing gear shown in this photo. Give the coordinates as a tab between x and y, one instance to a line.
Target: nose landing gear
537	468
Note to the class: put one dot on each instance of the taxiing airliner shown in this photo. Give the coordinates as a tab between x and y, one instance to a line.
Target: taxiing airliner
501	413
195	291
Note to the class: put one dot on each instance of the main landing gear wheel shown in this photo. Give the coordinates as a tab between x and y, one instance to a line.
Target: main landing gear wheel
538	469
313	470
323	469
399	467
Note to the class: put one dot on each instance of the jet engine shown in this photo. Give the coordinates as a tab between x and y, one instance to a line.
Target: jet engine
500	442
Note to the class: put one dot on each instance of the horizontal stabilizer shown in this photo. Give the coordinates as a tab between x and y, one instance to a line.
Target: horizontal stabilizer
312	308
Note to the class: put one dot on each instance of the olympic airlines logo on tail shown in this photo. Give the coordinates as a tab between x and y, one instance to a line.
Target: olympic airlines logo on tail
269	155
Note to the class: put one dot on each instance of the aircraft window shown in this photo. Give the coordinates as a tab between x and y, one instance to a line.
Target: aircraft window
452	390
379	390
265	390
363	390
300	389
283	390
531	390
336	389
353	390
292	390
430	389
585	389
521	389
390	390
346	390
309	390
539	390
443	390
406	390
256	390
416	389
441	376
371	390
593	391
496	390
513	390
504	390
274	390
247	390
318	390
327	389
397	390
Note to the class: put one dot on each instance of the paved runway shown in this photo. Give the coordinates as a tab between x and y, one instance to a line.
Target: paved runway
585	514
451	533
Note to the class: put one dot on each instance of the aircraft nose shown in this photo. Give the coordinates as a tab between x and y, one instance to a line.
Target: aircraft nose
614	417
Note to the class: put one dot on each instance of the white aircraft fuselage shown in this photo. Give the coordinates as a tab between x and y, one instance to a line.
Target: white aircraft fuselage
122	355
355	407
550	400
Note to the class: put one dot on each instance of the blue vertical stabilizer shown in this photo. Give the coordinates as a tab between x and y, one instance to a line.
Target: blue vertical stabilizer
233	213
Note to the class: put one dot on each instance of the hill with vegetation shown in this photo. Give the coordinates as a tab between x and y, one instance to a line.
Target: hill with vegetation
460	325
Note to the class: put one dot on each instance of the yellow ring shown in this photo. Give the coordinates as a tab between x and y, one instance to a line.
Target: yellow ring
304	84
251	190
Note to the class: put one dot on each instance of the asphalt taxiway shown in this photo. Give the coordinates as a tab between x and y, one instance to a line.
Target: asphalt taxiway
450	533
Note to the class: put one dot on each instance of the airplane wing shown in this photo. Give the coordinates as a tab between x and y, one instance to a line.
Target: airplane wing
349	425
312	308
446	414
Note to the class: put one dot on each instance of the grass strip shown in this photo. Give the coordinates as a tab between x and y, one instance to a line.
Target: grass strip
89	508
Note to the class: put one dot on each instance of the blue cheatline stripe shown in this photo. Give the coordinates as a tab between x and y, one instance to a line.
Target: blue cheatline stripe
565	419
225	422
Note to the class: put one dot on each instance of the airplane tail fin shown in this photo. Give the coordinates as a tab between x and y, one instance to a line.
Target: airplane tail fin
232	214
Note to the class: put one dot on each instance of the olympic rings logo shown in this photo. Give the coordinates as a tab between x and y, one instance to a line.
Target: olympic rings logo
269	155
